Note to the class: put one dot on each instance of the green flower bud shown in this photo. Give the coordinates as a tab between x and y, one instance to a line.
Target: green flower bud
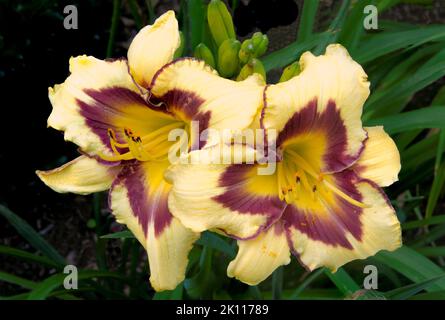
290	71
253	47
254	66
204	53
260	42
228	60
220	22
180	50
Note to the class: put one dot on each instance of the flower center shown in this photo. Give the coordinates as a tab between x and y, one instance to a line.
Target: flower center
296	178
150	147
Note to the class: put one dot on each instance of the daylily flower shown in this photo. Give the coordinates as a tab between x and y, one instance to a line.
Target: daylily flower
120	114
324	202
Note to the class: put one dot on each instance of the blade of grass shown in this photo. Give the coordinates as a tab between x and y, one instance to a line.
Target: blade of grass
28	256
134	8
10	278
432	117
113	28
34	239
436	189
439	99
413	265
277	283
432	251
307	19
215	242
291	53
406	292
44	288
334	28
354	21
343	281
434	234
197	19
387	42
422	223
126	234
299	290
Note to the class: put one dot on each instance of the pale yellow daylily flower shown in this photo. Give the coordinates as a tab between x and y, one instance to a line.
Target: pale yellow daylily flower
120	114
324	203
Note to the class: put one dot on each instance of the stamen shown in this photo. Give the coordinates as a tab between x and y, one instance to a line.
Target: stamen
301	162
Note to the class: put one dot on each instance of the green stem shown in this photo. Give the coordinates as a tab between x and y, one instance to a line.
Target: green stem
114	23
277	283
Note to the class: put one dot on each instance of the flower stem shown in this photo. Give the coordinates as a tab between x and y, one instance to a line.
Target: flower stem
114	23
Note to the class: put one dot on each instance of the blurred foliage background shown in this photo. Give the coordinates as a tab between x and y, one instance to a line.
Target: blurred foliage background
42	231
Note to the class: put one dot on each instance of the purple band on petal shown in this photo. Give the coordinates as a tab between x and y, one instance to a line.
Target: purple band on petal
329	122
331	226
109	105
148	207
238	198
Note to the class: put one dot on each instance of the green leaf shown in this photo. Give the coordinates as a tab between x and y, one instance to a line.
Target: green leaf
424	222
343	281
44	288
432	251
27	232
277	283
299	290
387	101
291	53
175	294
31	257
432	117
437	295
197	19
413	265
436	188
213	241
439	99
307	20
334	28
354	21
126	234
412	289
10	278
433	234
386	42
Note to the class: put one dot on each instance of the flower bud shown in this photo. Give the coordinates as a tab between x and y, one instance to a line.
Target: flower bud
290	71
228	61
253	66
204	53
253	47
220	22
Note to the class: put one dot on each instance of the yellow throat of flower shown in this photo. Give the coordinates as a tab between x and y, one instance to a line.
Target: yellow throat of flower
297	178
150	147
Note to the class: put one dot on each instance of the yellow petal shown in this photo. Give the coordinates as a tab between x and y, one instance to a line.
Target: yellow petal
194	91
232	198
96	96
259	257
380	160
139	199
329	86
380	230
82	175
153	47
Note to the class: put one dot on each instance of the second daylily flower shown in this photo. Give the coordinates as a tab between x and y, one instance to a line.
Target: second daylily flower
120	114
323	203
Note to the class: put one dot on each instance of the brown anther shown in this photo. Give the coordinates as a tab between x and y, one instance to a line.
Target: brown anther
314	188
